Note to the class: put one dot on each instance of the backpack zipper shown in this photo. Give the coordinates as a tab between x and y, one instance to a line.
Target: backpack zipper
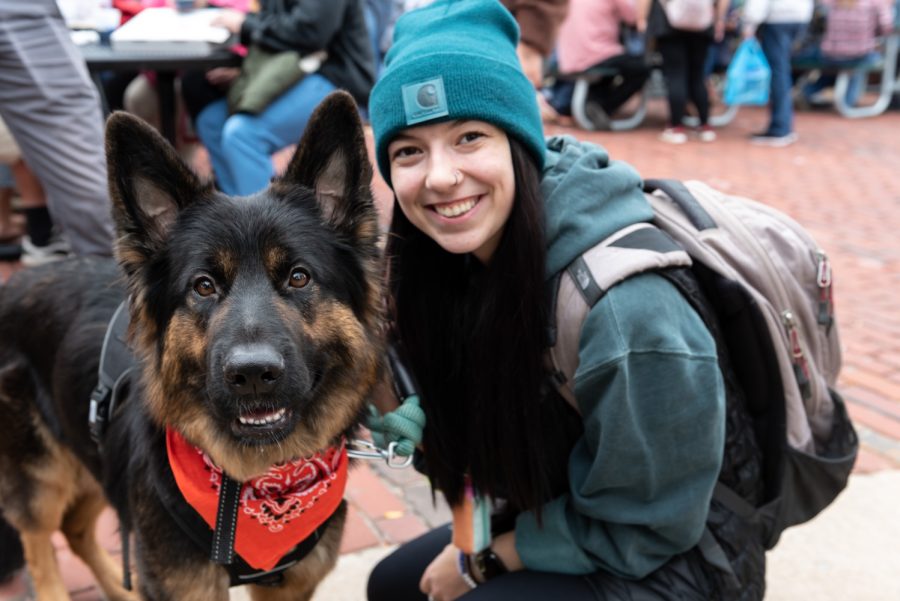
823	281
798	359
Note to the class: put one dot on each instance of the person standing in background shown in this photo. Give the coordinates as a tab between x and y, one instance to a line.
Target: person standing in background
684	51
53	110
778	24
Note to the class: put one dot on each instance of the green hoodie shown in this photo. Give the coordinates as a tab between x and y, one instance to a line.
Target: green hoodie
648	388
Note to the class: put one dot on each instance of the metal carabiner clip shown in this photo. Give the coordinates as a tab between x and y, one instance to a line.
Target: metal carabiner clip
390	456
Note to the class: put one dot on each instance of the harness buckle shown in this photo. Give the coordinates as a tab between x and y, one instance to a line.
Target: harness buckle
98	413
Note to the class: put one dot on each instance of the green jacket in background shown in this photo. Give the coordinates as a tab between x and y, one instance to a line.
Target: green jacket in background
648	387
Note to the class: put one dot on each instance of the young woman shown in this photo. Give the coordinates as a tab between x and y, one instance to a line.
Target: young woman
604	501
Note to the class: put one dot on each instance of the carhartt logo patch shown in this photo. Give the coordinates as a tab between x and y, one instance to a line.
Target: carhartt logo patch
424	100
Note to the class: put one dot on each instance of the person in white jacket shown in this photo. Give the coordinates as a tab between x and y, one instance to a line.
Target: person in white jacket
778	24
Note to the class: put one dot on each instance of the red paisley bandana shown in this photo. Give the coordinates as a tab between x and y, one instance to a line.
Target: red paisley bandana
277	510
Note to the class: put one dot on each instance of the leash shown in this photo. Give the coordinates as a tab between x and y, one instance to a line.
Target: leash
396	434
116	364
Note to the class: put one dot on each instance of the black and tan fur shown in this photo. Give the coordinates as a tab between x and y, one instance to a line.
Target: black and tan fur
292	273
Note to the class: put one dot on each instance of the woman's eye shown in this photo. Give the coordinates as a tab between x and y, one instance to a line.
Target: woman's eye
204	286
299	278
471	136
404	152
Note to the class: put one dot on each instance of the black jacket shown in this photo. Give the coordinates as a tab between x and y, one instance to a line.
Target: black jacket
307	26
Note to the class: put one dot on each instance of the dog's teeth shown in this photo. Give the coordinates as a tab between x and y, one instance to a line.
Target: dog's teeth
269	418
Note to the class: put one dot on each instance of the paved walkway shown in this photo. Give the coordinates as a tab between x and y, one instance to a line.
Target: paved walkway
841	182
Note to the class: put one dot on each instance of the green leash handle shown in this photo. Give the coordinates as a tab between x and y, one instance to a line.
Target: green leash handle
398	432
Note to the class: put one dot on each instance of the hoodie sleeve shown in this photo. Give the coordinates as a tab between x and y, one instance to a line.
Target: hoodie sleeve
641	477
306	26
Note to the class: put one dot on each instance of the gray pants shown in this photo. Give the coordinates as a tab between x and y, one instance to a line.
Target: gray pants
52	109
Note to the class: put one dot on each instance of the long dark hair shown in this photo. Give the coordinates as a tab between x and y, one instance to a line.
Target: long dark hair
475	337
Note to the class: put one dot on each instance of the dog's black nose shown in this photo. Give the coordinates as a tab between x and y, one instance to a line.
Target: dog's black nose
253	368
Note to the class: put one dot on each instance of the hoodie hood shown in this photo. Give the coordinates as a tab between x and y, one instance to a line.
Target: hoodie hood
587	198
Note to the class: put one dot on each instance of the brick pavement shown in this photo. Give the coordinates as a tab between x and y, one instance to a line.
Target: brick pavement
839	181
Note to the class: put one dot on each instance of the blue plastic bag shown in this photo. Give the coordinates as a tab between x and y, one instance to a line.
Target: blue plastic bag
748	76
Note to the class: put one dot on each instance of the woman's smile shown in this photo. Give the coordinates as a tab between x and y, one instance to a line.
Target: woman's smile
456	208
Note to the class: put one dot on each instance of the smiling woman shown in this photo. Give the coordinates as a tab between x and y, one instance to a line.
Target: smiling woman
605	498
454	181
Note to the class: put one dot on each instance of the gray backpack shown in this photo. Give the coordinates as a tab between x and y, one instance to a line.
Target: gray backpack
763	288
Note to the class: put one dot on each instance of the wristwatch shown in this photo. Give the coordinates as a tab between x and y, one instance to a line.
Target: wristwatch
488	564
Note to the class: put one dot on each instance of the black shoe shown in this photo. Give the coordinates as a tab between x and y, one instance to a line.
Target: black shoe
10	252
596	115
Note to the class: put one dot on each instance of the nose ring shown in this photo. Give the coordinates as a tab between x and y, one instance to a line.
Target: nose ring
457	177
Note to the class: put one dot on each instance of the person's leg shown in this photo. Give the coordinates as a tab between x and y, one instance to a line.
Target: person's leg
633	75
198	93
248	141
114	85
9	230
560	97
52	108
140	99
776	40
697	50
209	125
674	68
860	78
396	577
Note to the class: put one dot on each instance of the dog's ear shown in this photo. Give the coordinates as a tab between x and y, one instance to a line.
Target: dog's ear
332	159
148	183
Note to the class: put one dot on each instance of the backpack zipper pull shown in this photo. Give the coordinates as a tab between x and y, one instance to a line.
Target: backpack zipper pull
801	369
823	281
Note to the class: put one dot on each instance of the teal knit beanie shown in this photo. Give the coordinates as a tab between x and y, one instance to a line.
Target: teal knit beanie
455	59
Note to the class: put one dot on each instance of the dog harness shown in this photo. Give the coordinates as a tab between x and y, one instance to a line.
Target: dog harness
256	529
266	516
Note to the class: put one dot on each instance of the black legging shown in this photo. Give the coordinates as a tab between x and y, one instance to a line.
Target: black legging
612	92
683	55
396	578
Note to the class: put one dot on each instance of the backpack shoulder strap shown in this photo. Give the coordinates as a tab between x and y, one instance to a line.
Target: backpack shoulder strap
638	248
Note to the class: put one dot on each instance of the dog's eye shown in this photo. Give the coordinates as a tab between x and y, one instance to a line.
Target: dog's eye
299	278
204	286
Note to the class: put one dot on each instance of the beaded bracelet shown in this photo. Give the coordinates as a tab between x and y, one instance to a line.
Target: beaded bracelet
463	566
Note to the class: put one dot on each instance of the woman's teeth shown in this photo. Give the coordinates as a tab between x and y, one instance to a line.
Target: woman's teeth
455	209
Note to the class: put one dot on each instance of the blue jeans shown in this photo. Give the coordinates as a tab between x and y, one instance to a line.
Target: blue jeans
241	146
777	40
857	81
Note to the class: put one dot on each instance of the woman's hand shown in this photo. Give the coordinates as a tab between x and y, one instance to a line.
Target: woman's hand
719	31
441	580
230	19
222	76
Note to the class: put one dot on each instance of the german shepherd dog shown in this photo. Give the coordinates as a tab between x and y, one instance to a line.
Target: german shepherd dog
256	325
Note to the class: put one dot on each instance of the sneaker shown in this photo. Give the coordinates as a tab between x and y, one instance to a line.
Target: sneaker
706	134
772	140
596	115
33	255
674	135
